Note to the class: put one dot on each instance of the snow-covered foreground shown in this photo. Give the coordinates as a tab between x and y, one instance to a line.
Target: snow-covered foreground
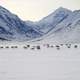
44	64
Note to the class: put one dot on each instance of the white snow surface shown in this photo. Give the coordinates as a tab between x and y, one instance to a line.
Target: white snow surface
44	64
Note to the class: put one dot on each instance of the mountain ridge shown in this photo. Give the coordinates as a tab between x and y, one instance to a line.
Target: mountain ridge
58	26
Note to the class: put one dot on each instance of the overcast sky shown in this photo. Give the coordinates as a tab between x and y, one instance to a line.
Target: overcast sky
37	9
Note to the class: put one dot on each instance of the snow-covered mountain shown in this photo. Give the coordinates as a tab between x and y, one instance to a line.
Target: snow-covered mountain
13	28
67	31
51	21
62	25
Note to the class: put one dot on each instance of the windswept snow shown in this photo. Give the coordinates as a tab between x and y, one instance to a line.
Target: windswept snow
44	64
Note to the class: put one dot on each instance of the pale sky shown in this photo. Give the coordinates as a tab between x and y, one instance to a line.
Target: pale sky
36	9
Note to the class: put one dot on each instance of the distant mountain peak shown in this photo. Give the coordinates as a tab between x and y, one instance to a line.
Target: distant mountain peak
62	8
60	23
55	18
60	11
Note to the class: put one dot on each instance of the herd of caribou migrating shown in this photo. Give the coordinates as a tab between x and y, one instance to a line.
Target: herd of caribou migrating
39	47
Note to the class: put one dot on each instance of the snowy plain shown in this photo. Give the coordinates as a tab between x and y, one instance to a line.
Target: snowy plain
43	64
